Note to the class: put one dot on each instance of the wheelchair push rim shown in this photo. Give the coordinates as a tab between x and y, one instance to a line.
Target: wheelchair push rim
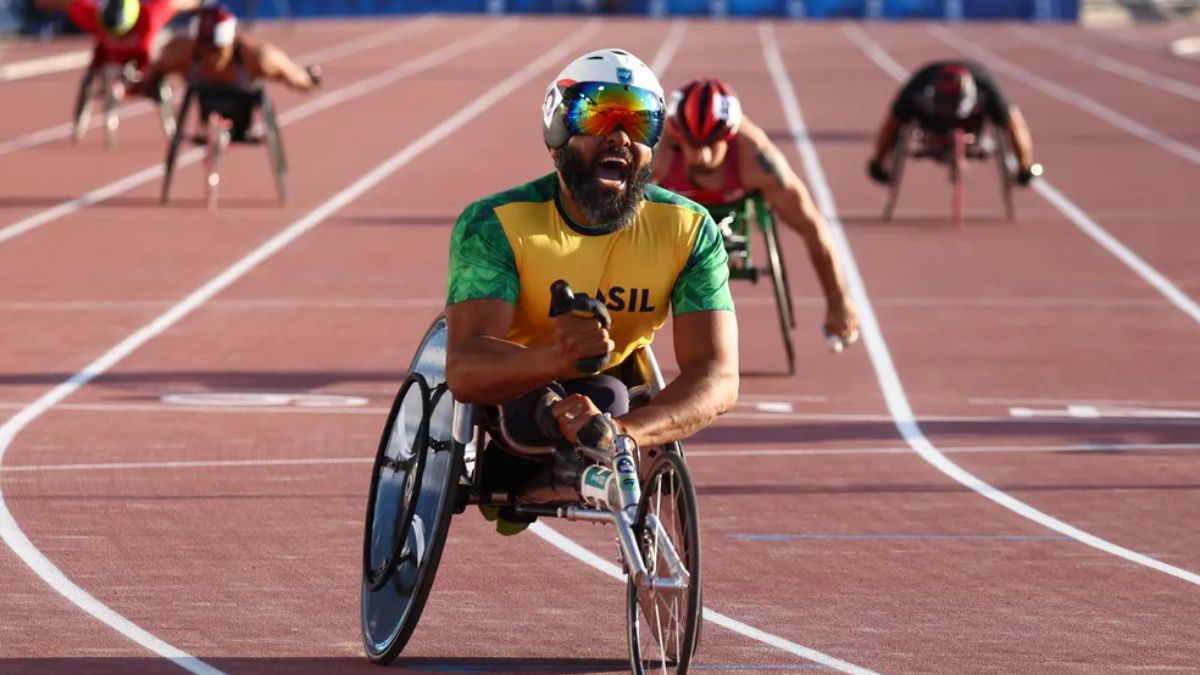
391	609
664	624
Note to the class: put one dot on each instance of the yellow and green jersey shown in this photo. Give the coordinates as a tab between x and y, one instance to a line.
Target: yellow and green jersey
513	245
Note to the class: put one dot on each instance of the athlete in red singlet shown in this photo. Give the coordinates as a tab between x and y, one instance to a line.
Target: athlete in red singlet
712	154
124	29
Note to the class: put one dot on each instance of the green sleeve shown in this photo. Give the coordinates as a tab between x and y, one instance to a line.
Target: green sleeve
481	260
704	283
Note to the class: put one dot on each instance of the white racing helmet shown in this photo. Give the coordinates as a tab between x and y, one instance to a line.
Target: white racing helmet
607	66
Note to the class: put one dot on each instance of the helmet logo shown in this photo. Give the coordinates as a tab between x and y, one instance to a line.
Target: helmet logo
550	105
624	75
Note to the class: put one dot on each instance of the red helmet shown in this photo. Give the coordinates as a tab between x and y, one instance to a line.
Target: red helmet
705	111
214	26
953	93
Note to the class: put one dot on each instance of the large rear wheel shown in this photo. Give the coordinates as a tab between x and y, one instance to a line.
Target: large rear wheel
782	295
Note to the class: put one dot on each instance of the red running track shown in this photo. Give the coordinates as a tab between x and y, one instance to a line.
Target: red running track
232	533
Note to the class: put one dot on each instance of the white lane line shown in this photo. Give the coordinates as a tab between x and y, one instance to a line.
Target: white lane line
1084	103
45	65
691	453
290	116
1060	201
557	540
670	46
11	532
881	357
1117	67
141	107
1082	399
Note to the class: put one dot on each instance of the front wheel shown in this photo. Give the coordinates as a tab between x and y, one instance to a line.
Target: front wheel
664	623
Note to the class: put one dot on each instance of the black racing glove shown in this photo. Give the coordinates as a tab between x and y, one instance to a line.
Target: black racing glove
314	74
878	173
1029	173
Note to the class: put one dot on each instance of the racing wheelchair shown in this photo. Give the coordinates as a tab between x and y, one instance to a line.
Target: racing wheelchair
952	149
433	461
108	83
226	115
735	222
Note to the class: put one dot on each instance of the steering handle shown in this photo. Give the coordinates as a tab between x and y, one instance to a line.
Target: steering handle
563	300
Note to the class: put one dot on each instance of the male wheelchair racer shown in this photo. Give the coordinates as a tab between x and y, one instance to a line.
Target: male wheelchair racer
432	462
735	221
108	82
953	148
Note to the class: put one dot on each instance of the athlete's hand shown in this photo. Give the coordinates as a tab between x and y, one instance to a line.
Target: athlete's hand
577	337
1028	173
841	325
574	413
877	173
314	74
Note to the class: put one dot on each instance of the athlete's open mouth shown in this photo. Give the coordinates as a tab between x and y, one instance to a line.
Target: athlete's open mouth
612	171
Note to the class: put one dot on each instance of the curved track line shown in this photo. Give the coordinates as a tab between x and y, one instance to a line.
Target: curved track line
881	357
11	532
1060	201
290	116
1085	103
139	108
562	543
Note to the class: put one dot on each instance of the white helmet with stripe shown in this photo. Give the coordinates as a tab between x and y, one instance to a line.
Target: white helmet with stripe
615	66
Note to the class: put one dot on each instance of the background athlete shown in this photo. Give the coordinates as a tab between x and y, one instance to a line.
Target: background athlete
597	223
944	95
716	156
124	30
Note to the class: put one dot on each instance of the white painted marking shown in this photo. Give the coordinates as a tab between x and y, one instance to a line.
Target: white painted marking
562	543
45	65
1115	66
176	409
1085	103
262	399
1185	48
670	46
195	464
11	532
1065	206
774	407
323	102
1091	412
877	349
142	107
1100	402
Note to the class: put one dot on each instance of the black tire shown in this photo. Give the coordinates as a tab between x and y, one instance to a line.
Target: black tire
173	146
899	157
1007	172
779	285
390	613
670	495
275	148
787	285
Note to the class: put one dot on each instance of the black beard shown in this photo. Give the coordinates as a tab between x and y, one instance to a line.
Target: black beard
612	210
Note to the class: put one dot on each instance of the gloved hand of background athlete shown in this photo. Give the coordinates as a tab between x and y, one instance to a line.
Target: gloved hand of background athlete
877	173
1029	173
314	74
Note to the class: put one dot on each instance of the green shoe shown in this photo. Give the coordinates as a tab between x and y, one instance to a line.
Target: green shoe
504	526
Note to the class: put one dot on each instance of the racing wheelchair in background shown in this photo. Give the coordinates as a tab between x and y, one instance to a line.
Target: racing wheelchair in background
953	149
736	222
432	462
226	114
107	83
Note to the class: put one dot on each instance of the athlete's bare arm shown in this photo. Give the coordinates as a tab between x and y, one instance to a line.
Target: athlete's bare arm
1019	138
764	169
482	367
706	348
273	64
885	140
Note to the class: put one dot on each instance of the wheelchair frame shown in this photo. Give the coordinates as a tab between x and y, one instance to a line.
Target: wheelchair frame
111	88
426	470
910	141
217	142
735	220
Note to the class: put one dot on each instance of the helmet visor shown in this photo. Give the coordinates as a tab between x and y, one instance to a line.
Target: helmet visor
600	108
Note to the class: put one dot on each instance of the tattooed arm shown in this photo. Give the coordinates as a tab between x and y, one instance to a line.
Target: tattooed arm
764	169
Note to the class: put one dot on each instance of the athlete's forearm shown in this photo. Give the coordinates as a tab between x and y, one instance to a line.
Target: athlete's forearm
886	138
489	371
797	209
1018	136
688	404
